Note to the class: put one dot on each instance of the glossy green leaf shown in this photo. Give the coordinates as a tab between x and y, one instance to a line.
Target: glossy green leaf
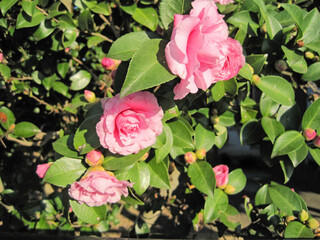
295	60
100	8
148	68
169	8
159	176
5	5
289	117
272	128
311	117
296	229
64	146
251	132
202	177
94	41
278	89
63	69
215	205
204	138
26	129
181	135
165	149
227	119
29	6
256	61
25	21
287	142
245	72
64	171
86	138
5	71
85	21
299	155
315	153
80	80
221	135
88	214
139	174
243	19
147	17
262	196
313	73
272	24
44	30
227	217
238	180
218	91
314	46
10	117
116	162
309	25
268	107
287	169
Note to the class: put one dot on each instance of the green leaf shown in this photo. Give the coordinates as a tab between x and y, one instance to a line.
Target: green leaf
169	8
100	8
25	21
80	80
63	69
215	205
314	46
251	132
311	116
289	117
94	41
243	19
26	129
85	21
218	91
313	73
231	86
148	68
315	153
5	71
285	199
309	25
295	12
238	180
181	134
165	149
10	117
278	89
44	30
272	24
139	174
268	107
227	217
147	17
299	155
295	60
272	128
245	72
29	6
202	177
92	215
204	138
287	142
287	169
86	138
247	114
64	146
61	88
5	5
116	162
64	171
159	176
256	61
296	229
221	135
262	196
227	119
125	47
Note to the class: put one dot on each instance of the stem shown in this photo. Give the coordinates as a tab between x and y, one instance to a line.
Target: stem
45	13
102	36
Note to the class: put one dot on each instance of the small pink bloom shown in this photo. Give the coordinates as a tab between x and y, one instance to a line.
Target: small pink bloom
94	158
109	63
200	52
316	141
99	188
190	157
223	2
67	50
89	96
221	172
42	169
1	57
309	134
129	124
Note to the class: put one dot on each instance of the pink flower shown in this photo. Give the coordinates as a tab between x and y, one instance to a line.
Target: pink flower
99	188
200	52
94	158
109	63
1	57
42	169
309	134
224	2
221	172
89	96
129	124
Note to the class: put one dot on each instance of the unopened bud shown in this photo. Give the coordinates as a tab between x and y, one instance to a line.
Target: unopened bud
280	65
229	189
263	28
309	134
93	169
303	216
201	153
316	141
313	223
67	50
3	117
190	157
144	157
309	55
1	57
89	96
12	126
214	119
109	63
290	218
94	158
255	79
300	43
42	169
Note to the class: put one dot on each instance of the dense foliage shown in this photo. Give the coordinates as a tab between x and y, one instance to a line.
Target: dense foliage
66	66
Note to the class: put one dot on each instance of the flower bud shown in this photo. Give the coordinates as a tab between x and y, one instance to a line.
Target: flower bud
263	28
280	65
109	63
309	55
3	117
89	96
201	153
300	43
290	218
309	134
67	50
303	216
1	57
42	169
12	126
190	157
94	158
94	169
255	79
229	189
316	141
144	157
313	223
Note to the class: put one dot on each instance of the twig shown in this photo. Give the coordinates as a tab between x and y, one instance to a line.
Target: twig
45	13
102	36
104	19
19	79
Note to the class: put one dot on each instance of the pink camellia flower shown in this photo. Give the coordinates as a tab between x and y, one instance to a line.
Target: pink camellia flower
89	96
129	124
99	188
109	63
94	158
1	57
42	169
223	2
221	172
200	52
